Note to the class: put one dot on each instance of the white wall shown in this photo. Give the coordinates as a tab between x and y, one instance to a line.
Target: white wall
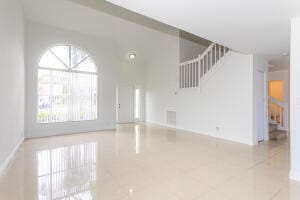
189	50
11	79
295	99
131	73
161	80
40	37
283	75
226	100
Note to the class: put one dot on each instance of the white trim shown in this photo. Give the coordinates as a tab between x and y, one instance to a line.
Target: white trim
295	175
7	162
265	105
196	132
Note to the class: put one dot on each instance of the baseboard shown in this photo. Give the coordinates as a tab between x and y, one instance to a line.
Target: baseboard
7	162
27	137
161	124
295	175
197	132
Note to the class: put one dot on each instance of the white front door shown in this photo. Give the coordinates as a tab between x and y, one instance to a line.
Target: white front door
125	104
260	106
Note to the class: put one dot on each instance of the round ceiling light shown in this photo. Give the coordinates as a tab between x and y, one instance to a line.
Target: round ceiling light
132	56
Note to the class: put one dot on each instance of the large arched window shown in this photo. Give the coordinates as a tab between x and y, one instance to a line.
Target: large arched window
67	85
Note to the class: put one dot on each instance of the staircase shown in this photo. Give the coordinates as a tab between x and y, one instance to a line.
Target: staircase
192	72
275	134
278	119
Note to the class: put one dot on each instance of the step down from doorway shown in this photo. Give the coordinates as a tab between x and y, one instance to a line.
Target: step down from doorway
276	134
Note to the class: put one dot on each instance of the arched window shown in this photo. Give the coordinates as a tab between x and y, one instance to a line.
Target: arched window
67	85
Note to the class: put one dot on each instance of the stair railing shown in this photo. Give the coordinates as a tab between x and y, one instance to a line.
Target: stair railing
191	72
279	113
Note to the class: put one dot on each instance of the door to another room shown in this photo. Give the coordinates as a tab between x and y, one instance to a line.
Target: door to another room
125	104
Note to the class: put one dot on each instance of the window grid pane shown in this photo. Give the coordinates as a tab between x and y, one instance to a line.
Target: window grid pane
66	95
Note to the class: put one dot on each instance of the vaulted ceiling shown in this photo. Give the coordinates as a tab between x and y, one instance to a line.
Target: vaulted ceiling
250	26
259	27
129	32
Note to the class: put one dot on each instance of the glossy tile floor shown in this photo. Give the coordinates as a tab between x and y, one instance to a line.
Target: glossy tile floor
147	162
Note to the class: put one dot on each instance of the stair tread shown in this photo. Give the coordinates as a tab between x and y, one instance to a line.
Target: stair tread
278	135
279	132
272	128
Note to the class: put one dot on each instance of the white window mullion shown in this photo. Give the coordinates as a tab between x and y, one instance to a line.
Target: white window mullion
51	96
67	94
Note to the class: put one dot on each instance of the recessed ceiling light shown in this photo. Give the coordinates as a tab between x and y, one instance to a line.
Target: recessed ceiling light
132	56
285	54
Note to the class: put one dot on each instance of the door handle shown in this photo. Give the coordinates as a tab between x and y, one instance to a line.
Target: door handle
119	106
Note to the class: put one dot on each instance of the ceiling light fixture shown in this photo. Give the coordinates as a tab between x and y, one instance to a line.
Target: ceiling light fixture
285	54
132	56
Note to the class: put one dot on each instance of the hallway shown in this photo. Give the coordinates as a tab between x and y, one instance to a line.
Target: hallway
145	161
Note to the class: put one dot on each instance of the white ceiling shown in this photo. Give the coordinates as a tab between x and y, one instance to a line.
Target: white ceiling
66	14
261	27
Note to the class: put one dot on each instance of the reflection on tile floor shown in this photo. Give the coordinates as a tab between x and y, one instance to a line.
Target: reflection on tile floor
147	162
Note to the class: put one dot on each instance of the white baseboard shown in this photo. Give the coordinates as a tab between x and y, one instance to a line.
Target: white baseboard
295	175
7	162
197	132
161	124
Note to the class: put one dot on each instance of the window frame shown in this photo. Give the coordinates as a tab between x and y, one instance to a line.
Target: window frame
66	70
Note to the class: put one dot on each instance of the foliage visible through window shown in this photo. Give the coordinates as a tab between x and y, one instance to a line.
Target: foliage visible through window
67	85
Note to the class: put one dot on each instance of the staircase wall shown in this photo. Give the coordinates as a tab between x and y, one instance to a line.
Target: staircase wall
222	109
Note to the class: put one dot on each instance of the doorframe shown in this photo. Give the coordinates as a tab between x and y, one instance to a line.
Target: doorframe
266	100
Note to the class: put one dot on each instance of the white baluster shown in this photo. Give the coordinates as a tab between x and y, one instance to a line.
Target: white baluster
270	111
189	67
211	59
202	66
280	116
206	66
194	74
190	75
275	111
286	117
179	76
183	76
186	76
197	73
220	52
215	53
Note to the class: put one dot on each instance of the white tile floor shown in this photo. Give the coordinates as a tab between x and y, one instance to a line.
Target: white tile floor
146	162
